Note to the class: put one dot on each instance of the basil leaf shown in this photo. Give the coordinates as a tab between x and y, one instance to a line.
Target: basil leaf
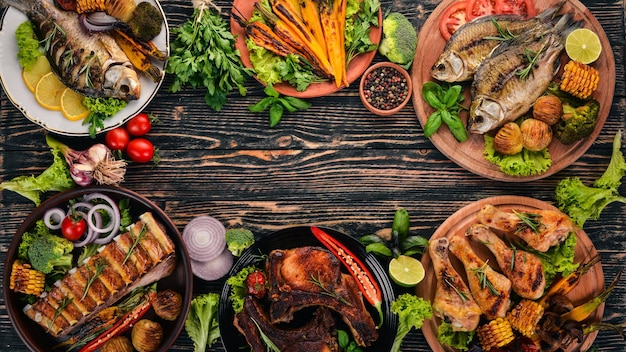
401	223
432	100
276	113
432	124
451	95
297	103
378	249
262	105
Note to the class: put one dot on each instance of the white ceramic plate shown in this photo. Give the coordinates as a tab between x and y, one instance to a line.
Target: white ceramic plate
54	121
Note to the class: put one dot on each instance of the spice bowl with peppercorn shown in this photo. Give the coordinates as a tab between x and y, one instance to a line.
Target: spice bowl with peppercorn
385	88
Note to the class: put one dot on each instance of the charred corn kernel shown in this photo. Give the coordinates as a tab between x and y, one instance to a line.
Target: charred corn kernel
525	316
26	280
496	333
579	80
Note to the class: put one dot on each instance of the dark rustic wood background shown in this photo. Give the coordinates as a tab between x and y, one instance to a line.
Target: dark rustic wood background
334	164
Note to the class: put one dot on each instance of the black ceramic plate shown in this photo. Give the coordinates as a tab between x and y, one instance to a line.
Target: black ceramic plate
293	237
181	280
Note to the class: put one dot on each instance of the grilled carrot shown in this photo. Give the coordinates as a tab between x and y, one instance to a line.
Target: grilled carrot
334	34
136	55
263	36
309	9
567	283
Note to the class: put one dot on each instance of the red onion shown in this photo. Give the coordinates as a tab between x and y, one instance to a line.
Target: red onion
115	215
204	238
215	268
97	22
53	218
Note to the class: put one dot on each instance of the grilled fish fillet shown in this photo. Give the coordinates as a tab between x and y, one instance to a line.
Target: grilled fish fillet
524	269
474	41
453	301
491	290
549	227
90	63
111	274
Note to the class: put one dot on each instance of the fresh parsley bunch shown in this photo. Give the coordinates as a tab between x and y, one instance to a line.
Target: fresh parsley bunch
203	54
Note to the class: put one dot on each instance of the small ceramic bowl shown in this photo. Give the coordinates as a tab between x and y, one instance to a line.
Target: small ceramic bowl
376	83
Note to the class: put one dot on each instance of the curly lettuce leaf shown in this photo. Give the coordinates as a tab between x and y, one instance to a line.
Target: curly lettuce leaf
525	163
455	339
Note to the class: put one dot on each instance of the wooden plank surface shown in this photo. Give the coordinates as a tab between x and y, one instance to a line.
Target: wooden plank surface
334	164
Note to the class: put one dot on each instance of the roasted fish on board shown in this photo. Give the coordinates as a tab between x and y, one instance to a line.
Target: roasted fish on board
92	64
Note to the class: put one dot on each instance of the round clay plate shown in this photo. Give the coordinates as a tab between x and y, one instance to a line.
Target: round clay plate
357	66
54	121
591	285
469	154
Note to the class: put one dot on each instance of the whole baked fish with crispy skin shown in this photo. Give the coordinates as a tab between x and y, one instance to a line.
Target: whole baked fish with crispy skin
92	64
112	273
524	269
490	289
311	276
453	301
474	41
540	229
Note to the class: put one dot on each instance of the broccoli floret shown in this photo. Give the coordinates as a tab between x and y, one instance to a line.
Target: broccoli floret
577	122
583	202
146	22
49	252
399	39
412	311
201	324
238	240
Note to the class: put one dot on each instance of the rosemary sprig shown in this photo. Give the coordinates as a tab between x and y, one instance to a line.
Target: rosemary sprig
98	266
529	220
503	35
484	280
136	240
448	280
328	292
271	346
63	304
513	256
532	57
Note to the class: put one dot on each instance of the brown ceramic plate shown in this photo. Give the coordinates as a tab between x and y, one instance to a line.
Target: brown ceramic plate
357	66
591	285
469	154
181	280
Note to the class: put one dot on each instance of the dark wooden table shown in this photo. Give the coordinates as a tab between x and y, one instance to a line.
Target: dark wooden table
334	164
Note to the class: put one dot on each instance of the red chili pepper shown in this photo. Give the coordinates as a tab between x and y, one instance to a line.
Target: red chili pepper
121	326
364	279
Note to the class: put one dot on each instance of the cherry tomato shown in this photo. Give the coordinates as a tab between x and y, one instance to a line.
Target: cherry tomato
453	17
255	284
139	125
117	138
140	150
525	8
477	8
73	227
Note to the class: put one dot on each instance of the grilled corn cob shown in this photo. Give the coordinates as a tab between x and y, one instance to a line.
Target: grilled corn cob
525	316
496	333
120	9
579	80
26	280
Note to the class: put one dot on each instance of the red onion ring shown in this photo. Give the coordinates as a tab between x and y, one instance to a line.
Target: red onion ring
53	218
93	224
116	217
204	238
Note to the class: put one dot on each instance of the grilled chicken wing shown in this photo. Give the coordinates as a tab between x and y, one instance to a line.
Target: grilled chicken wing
491	290
453	301
524	269
540	229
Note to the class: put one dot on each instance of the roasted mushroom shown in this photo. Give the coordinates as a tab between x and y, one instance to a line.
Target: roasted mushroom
560	304
147	335
168	304
536	134
118	344
508	140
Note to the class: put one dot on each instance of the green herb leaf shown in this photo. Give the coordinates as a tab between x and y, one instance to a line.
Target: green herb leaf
379	249
432	124
276	113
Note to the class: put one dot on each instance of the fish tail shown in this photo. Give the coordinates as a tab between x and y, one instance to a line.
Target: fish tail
21	5
550	13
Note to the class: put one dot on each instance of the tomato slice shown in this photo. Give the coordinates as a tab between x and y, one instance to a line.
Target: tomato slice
453	18
477	8
525	8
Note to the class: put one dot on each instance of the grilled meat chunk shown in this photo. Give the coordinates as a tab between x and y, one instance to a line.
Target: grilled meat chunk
548	229
106	277
524	269
311	276
453	301
318	334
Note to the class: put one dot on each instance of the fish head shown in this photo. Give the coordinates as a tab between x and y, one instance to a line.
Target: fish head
449	68
121	81
485	115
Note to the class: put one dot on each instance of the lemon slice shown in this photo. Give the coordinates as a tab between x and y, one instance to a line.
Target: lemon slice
583	45
72	105
406	271
48	91
34	74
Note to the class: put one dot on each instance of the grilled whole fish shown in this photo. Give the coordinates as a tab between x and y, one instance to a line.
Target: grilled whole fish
91	64
501	92
475	40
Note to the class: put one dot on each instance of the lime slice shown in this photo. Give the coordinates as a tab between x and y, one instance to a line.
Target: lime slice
406	271
583	45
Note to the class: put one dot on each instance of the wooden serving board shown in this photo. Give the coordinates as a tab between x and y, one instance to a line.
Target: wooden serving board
469	154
